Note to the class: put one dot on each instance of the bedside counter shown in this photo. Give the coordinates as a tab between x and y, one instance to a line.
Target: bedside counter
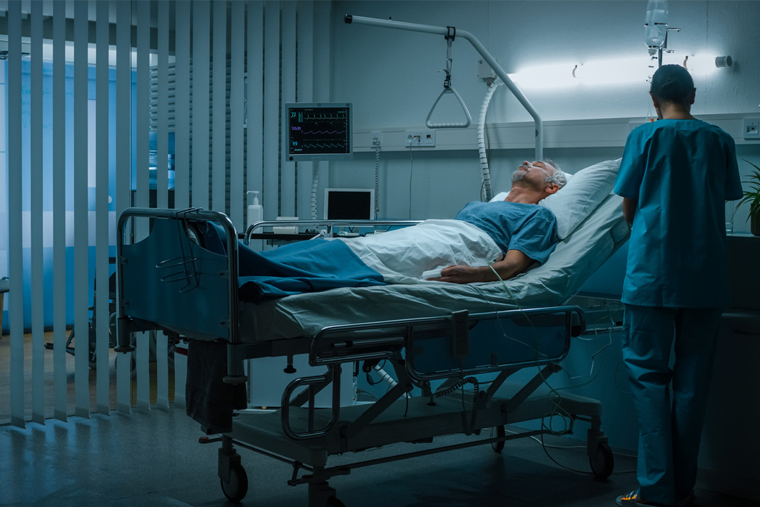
730	448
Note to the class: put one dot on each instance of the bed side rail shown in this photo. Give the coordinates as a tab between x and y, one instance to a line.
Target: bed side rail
455	345
167	278
495	341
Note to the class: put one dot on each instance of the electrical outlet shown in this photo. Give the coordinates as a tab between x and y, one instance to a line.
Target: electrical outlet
376	138
751	128
419	138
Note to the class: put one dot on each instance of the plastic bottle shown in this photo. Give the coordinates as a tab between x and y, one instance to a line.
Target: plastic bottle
656	24
255	211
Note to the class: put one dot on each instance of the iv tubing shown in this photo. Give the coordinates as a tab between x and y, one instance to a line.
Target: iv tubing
377	178
485	172
435	30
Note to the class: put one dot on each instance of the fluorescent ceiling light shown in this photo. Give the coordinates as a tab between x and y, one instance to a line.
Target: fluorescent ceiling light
609	72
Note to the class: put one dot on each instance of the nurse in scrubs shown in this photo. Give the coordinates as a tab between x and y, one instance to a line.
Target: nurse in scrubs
675	177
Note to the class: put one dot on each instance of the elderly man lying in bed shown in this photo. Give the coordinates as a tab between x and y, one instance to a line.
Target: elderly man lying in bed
486	242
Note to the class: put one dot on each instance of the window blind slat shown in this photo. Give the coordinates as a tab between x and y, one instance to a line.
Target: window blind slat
37	183
81	211
322	85
200	104
101	208
182	106
219	103
162	131
237	68
162	181
270	198
255	97
59	211
288	184
305	93
123	162
15	234
142	131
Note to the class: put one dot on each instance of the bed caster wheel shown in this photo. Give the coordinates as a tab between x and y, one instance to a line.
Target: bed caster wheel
334	502
498	431
603	462
236	488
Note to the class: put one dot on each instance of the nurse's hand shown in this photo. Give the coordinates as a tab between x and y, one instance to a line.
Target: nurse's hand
465	274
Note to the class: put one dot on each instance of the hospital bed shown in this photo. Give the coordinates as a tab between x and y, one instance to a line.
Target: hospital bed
428	332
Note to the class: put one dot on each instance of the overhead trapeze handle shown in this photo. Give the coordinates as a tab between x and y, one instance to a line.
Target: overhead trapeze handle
449	89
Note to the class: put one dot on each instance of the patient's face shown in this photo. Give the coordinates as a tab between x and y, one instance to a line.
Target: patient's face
532	175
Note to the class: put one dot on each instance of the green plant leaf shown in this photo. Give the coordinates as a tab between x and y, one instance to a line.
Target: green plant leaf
751	195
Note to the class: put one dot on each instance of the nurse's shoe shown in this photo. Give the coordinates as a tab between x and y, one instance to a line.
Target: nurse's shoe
633	499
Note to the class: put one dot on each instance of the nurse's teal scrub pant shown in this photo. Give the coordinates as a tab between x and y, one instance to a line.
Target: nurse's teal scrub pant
670	427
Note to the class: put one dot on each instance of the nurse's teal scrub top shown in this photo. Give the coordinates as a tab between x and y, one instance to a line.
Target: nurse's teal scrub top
682	172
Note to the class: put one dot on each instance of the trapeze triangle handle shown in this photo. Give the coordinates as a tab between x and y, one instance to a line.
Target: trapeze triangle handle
449	89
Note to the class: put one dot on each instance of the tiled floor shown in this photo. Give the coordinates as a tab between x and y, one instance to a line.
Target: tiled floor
49	380
154	459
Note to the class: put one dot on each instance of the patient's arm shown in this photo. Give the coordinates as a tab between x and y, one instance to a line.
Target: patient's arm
514	263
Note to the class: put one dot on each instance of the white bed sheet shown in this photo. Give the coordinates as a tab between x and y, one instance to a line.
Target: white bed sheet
574	260
401	256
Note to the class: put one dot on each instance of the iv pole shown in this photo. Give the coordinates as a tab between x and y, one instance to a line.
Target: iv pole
444	31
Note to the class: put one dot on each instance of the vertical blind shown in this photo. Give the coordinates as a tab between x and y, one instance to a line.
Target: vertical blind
93	143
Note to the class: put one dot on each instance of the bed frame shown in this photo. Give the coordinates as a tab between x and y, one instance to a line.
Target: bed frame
165	274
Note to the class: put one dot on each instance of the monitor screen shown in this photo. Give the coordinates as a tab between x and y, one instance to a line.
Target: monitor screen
317	131
349	204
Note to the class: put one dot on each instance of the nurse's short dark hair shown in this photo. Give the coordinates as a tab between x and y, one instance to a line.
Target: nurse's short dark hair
672	83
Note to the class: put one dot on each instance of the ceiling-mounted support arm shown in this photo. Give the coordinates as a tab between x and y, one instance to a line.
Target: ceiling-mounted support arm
435	30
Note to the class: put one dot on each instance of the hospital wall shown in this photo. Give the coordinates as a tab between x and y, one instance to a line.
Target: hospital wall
392	78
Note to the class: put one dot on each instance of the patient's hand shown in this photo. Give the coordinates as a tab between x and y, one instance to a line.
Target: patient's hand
464	274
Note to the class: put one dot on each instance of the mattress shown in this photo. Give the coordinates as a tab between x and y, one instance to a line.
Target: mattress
574	260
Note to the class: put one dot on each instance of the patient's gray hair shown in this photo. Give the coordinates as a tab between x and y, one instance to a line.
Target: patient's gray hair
559	177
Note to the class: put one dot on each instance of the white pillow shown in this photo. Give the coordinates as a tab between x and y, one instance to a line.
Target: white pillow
584	191
581	196
499	197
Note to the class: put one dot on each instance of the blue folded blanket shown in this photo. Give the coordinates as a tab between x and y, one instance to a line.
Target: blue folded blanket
306	266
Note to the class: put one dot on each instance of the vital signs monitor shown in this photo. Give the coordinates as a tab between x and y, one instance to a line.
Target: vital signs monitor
317	131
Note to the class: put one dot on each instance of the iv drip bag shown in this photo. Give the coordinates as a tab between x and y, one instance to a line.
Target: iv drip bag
656	24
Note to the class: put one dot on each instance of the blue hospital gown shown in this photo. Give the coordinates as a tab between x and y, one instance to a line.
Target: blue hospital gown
681	172
529	228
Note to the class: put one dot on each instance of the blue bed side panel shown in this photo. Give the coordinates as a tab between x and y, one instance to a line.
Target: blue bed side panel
192	298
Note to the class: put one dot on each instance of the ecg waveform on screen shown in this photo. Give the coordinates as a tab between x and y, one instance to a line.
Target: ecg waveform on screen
323	145
340	115
319	131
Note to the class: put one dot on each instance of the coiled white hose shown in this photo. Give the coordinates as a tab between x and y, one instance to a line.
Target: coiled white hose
384	376
484	171
314	183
